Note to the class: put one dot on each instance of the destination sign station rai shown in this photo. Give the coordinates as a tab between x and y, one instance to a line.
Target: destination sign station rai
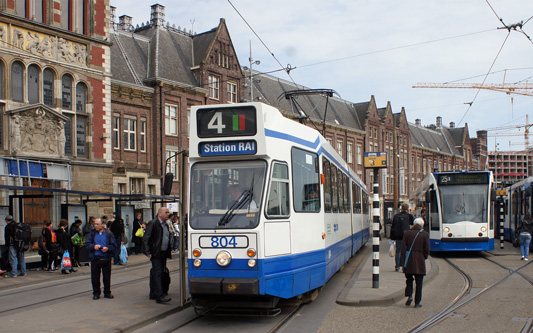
227	123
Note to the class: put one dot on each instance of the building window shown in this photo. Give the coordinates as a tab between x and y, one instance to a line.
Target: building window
33	84
232	92
1	80
122	188
48	87
339	147
81	97
81	136
17	84
21	8
349	152
359	154
66	92
80	16
136	185
116	132
142	133
151	189
172	164
65	14
214	89
129	134
171	119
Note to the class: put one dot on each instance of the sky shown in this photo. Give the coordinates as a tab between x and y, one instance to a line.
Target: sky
361	48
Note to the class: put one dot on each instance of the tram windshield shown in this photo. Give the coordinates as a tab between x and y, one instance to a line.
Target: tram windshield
226	195
464	203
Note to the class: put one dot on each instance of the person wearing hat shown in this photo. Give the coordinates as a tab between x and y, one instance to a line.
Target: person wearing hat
16	257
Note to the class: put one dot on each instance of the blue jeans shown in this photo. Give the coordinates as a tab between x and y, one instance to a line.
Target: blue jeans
524	240
399	243
16	258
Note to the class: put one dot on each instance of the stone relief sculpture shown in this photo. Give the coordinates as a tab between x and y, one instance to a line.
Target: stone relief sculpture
15	133
33	43
18	38
64	50
38	132
2	35
80	52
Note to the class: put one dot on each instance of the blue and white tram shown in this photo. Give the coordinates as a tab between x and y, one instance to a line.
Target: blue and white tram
274	210
519	201
458	208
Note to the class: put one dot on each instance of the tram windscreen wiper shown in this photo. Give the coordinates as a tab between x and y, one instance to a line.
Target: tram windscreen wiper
238	204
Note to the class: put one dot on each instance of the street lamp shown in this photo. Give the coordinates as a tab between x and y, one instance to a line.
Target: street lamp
252	62
169	176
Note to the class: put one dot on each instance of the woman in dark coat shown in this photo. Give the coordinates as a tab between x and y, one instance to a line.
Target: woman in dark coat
51	245
65	244
75	229
415	269
137	224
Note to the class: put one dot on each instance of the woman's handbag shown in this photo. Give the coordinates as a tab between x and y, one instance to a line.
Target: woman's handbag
65	262
516	243
392	248
139	233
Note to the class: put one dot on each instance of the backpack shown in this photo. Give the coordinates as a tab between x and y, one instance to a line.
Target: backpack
22	237
402	224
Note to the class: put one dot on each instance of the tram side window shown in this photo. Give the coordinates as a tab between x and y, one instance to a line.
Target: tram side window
278	196
305	181
433	211
334	189
346	193
365	203
326	168
356	199
340	184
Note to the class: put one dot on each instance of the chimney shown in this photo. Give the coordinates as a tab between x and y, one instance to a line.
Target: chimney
124	22
439	122
452	124
113	15
157	18
418	122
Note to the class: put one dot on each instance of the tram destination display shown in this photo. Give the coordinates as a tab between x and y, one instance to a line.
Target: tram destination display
462	179
226	122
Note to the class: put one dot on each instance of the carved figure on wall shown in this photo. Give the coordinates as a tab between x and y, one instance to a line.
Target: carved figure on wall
2	34
33	42
80	52
18	38
61	139
64	50
38	135
15	132
50	136
26	132
45	47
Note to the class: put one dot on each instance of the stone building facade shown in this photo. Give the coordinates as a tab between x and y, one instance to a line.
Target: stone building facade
55	99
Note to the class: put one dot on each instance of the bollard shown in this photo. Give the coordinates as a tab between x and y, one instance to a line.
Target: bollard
375	229
502	217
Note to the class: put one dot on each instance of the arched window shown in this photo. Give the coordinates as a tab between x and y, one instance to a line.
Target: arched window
66	95
1	80
17	84
48	87
33	84
81	97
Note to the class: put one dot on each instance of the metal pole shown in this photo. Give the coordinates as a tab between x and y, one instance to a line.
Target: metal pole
182	258
502	217
375	228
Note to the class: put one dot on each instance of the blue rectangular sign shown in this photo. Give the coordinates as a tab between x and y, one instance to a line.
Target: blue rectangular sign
245	147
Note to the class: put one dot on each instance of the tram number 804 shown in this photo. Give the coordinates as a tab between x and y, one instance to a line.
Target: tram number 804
223	241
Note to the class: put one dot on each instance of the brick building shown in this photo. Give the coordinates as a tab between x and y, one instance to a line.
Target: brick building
159	72
55	100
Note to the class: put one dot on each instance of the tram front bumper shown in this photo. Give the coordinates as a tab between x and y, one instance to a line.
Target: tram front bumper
224	286
465	239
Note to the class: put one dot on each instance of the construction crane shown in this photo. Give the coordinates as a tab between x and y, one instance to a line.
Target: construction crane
526	127
525	89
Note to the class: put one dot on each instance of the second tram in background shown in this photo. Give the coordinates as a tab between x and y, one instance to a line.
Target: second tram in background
518	202
458	210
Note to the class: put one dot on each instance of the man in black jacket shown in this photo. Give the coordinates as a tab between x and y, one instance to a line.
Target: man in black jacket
16	255
157	247
400	224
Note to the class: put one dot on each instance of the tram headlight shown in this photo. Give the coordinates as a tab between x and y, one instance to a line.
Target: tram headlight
197	252
251	263
483	229
446	229
197	263
223	258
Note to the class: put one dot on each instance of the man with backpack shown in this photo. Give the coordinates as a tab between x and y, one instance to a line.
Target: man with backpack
17	236
400	223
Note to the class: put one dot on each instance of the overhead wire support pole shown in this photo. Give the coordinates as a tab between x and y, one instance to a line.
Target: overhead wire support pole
375	233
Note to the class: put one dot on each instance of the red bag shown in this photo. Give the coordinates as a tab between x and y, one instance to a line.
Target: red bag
65	262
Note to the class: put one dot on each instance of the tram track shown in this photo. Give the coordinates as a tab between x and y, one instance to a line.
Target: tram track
43	303
464	298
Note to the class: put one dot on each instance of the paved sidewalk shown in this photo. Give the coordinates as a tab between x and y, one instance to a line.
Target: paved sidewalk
359	292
